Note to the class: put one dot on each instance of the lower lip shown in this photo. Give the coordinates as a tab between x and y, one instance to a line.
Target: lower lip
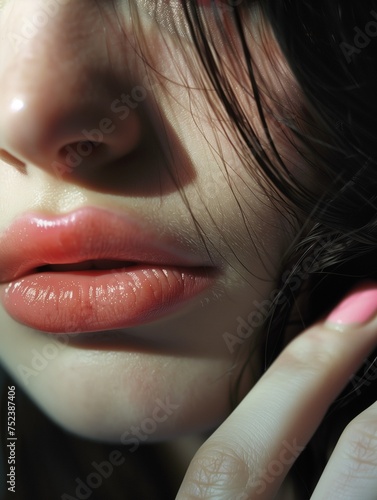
98	300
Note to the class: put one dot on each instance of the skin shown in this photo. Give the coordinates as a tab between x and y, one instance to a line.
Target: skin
44	111
250	457
183	357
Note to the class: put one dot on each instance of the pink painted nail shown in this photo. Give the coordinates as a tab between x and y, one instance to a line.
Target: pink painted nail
357	308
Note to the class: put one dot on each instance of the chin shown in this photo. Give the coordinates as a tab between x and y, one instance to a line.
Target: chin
131	398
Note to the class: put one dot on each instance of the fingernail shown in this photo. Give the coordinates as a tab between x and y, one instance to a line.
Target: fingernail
357	308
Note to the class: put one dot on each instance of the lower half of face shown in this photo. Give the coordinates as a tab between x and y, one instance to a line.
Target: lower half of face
168	373
168	377
159	375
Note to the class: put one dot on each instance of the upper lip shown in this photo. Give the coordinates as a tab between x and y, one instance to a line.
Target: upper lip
89	233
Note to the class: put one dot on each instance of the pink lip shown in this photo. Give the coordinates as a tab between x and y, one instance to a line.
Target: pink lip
154	277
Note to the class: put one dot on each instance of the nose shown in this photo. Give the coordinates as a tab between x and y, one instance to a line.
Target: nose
59	88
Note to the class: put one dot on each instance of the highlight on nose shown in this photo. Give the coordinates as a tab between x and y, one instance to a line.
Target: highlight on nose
64	108
17	104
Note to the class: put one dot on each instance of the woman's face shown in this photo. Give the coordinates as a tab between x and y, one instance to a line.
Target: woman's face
114	147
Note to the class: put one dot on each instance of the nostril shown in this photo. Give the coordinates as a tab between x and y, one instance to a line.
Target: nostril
10	159
73	154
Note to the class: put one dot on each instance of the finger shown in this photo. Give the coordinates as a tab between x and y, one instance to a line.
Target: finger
351	472
251	452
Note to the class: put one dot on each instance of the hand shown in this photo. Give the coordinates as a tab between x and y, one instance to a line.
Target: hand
250	454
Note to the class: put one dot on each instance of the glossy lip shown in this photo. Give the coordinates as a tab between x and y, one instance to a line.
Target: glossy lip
156	274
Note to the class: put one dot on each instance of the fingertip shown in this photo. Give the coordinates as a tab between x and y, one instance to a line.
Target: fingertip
359	307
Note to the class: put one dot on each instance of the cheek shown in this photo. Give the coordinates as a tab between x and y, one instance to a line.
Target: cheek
231	199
